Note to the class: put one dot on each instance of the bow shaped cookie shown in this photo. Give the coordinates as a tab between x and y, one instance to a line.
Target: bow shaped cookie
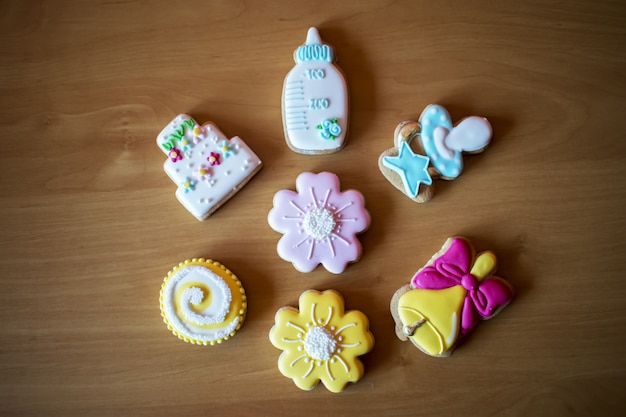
412	165
448	297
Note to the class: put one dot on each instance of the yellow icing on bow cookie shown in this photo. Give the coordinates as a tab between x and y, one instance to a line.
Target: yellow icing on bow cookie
320	341
436	317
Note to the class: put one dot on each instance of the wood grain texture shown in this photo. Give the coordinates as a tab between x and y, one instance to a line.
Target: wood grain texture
90	224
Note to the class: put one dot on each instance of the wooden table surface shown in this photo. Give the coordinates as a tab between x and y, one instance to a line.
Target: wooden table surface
90	224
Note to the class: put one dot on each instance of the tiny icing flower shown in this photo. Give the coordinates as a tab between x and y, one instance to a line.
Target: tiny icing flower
185	144
319	223
214	159
175	155
330	129
203	173
227	149
188	185
320	341
199	133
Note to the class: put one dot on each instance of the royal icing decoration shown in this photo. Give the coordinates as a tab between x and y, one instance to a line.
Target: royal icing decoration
208	167
202	302
315	99
321	341
319	223
448	297
438	153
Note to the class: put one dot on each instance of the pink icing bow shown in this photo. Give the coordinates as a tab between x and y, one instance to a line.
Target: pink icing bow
483	299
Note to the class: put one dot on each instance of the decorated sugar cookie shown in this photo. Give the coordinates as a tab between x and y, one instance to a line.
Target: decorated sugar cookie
319	222
208	167
448	297
321	341
315	100
431	149
202	302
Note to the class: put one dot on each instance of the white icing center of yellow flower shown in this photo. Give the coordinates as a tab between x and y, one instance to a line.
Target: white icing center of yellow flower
319	223
320	343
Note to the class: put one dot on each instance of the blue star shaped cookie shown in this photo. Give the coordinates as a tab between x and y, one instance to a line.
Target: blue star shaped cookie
411	167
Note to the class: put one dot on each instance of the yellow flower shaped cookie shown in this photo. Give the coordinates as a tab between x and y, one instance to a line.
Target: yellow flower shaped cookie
320	341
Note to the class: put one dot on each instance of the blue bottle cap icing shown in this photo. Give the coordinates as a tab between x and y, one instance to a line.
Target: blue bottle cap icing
432	117
314	49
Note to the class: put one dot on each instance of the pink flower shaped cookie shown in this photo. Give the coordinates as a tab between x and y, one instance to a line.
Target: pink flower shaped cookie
319	223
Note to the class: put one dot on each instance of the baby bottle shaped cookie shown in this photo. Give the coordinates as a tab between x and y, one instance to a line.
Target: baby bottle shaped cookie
315	100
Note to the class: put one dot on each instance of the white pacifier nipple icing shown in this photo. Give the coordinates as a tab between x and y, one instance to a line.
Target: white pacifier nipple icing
315	99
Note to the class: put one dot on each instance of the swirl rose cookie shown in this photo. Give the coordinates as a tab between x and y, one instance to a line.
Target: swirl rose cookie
208	167
448	297
319	223
315	100
431	149
321	341
202	302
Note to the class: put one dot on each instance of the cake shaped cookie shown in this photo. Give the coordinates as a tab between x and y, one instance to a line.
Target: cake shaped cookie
315	100
321	341
448	297
319	222
208	167
202	302
431	149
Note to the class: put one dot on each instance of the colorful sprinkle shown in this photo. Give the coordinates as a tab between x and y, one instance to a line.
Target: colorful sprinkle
188	185
186	144
214	159
199	133
227	149
330	129
203	173
175	155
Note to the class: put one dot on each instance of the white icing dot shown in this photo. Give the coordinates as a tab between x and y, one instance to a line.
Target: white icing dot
434	110
426	122
441	167
434	157
455	171
426	138
227	173
319	343
319	223
300	347
206	145
443	118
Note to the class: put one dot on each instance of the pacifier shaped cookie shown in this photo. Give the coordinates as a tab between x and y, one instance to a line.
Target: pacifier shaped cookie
430	149
448	297
208	167
315	100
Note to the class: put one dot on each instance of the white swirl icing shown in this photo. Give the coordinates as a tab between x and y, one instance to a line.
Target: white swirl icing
185	321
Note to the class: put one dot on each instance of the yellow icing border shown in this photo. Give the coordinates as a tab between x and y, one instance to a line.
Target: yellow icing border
337	338
237	292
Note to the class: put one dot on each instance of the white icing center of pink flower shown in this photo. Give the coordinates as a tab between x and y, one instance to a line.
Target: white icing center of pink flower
320	343
319	223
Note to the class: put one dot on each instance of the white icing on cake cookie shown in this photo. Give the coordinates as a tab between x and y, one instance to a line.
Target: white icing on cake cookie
208	167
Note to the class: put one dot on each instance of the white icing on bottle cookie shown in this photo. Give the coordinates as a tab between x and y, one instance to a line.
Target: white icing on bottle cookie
315	100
